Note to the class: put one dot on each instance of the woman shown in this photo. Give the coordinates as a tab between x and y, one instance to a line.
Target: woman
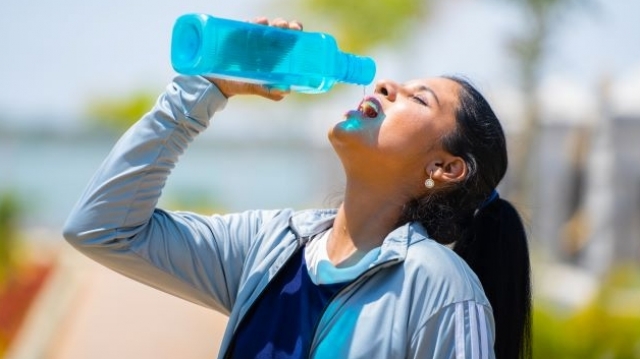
371	279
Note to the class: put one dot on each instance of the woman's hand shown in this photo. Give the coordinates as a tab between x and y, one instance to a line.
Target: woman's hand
231	88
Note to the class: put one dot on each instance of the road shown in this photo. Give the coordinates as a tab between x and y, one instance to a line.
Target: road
89	311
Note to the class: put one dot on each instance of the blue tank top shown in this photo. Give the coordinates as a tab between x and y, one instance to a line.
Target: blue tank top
281	323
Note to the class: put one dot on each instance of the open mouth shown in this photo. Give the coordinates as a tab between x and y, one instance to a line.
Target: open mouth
369	107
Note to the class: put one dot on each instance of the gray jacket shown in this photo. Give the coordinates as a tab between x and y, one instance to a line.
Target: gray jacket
417	300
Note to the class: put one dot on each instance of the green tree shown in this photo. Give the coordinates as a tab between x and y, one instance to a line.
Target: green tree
119	113
10	210
360	26
608	327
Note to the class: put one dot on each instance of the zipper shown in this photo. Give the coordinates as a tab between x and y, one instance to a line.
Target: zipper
366	274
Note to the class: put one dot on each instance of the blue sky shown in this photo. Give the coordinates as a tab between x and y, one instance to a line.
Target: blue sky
58	55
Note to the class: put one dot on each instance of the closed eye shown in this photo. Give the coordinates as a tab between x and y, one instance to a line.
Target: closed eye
420	100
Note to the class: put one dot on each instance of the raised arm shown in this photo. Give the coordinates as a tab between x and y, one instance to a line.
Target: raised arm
116	222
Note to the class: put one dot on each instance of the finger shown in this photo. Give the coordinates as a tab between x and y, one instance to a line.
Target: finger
275	97
261	20
295	25
274	93
280	22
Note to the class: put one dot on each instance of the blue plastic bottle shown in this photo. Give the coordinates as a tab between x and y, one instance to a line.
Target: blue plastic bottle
301	61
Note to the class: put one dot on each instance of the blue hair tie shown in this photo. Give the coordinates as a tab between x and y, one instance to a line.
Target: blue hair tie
492	197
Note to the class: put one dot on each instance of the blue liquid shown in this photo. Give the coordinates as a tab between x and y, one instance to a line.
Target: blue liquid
300	61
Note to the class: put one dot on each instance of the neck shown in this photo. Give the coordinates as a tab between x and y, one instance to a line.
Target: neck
364	219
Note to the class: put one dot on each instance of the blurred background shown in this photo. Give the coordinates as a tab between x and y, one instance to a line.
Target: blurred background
563	76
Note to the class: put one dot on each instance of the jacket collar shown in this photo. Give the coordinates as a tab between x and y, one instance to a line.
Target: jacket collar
309	223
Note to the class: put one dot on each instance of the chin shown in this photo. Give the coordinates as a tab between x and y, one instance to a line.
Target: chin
340	139
334	135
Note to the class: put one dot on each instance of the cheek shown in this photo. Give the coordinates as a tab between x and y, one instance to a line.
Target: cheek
412	134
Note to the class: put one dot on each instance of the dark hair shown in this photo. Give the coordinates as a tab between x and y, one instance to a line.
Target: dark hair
487	234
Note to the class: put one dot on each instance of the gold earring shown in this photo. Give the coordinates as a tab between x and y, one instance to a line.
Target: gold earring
430	183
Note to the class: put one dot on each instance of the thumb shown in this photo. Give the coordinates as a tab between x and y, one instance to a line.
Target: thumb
273	93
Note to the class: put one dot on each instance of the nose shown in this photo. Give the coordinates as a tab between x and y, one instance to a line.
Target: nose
387	88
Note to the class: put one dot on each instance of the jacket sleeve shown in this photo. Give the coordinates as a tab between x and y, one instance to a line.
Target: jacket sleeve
116	223
463	330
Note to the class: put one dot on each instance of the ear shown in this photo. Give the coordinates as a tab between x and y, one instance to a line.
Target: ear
448	168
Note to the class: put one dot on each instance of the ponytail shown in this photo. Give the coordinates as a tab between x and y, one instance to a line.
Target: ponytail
497	251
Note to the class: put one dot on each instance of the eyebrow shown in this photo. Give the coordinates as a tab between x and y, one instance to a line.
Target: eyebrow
428	89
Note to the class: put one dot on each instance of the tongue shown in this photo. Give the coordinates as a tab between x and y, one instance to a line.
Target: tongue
370	112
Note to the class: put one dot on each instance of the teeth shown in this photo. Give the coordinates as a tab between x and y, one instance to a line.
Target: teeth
369	108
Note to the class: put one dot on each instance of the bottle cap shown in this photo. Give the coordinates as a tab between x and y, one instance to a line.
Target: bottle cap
360	70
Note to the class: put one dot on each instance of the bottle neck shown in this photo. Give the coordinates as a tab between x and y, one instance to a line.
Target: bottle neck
355	69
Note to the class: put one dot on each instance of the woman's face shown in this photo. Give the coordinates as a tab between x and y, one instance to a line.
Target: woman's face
397	130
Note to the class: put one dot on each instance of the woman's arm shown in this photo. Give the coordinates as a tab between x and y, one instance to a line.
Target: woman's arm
116	222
